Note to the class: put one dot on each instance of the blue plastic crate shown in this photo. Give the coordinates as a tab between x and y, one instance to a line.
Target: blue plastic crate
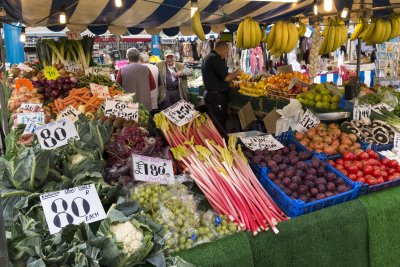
296	207
376	148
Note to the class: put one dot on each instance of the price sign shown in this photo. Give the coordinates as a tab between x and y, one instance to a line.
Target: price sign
31	127
71	112
180	113
261	142
51	73
24	67
56	134
309	120
381	106
129	111
293	82
71	66
74	35
24	118
396	141
99	90
72	206
361	111
31	106
154	170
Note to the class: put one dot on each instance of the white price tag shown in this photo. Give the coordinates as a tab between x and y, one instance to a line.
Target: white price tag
261	142
24	67
74	35
309	120
151	169
396	141
361	111
56	134
31	127
129	111
31	106
381	106
99	90
24	118
180	113
71	112
71	66
72	206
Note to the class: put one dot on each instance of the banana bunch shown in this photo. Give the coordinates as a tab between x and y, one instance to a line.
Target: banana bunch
282	38
302	29
362	24
335	34
249	34
196	26
380	30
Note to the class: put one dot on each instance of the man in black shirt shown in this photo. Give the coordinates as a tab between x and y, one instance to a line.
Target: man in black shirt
216	82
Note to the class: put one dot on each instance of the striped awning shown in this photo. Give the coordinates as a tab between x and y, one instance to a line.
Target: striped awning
169	16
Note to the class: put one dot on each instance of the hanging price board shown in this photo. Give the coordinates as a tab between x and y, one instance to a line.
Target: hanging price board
396	141
309	120
56	134
72	206
361	111
31	106
129	111
74	35
71	66
180	113
381	106
51	73
99	90
24	118
154	170
261	142
71	112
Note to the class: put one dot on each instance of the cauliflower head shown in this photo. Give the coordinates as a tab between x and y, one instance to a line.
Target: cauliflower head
130	236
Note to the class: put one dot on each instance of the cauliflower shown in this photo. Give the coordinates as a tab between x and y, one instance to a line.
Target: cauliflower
130	237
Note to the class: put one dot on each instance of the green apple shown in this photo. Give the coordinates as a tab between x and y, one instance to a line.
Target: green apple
326	98
312	103
326	105
334	106
336	99
319	105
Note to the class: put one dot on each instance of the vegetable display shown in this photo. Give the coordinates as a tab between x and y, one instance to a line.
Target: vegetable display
321	98
53	89
376	132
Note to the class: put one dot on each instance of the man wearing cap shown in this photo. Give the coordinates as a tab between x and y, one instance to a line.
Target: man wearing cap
173	86
216	82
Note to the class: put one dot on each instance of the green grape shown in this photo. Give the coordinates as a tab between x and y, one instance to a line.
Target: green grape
223	227
210	235
182	246
182	240
178	222
189	241
200	231
188	246
227	232
232	228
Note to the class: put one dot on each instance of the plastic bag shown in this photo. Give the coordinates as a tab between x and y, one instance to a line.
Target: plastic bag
290	115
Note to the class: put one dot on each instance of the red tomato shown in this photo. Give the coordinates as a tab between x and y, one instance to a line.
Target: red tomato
358	164
344	172
369	179
353	176
385	162
377	173
384	175
372	154
347	164
373	162
353	169
394	163
363	155
368	169
392	177
360	174
331	162
391	171
398	168
396	175
348	156
339	161
380	180
361	180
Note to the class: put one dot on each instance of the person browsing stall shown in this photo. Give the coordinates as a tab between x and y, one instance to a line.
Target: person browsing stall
216	80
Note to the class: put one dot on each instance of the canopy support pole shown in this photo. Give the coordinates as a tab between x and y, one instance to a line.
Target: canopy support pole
359	45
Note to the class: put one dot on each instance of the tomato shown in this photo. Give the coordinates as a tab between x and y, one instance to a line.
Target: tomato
360	174
385	161
384	175
377	173
373	162
361	180
348	156
368	169
344	172
352	169
339	161
392	178
363	155
398	168
396	175
394	163
372	154
358	164
391	171
369	179
331	162
353	176
380	180
347	164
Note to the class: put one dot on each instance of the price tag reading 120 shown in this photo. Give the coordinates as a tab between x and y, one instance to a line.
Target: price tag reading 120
180	113
72	206
309	120
361	111
56	134
154	170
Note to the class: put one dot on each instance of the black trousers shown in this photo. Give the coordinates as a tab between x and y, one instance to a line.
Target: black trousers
217	104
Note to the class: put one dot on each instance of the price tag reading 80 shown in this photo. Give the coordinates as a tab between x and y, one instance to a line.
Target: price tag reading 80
56	134
180	113
309	120
154	170
72	206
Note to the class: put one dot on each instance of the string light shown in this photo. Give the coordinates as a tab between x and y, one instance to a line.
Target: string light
118	3
345	11
315	8
22	37
63	17
193	7
328	5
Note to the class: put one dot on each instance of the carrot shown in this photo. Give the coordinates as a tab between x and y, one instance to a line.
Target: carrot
70	101
80	99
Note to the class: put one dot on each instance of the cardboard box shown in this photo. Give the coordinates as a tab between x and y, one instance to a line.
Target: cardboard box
270	121
246	116
285	69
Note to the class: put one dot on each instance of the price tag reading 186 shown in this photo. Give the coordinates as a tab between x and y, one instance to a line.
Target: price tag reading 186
309	120
56	134
72	206
129	111
261	142
154	170
361	111
180	113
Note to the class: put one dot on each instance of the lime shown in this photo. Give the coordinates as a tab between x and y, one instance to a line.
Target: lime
311	103
334	106
318	98
336	99
319	105
326	98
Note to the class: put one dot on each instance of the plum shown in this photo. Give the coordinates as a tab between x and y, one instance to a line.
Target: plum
287	192
279	152
285	150
278	159
303	198
281	175
286	160
293	186
293	153
315	162
331	186
330	176
341	189
272	163
309	183
271	175
321	171
258	152
329	194
258	159
303	189
266	152
339	181
310	177
314	191
290	172
293	160
292	147
295	195
296	179
282	166
321	181
321	188
277	182
305	155
286	182
300	173
320	196
312	171
275	170
301	165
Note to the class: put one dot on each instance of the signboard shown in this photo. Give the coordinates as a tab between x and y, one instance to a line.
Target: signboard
106	71
180	113
71	35
381	106
31	106
261	142
100	90
24	118
51	73
71	112
361	111
71	66
309	120
72	206
151	169
129	111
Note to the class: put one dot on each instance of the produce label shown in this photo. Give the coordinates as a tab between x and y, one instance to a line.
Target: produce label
99	90
72	206
71	66
56	134
129	111
396	141
106	71
309	120
74	35
31	127
261	142
51	73
24	118
361	111
381	106
155	170
71	112
180	113
31	106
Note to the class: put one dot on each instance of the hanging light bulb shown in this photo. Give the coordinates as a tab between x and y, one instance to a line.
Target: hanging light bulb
345	11
22	37
328	5
315	9
63	17
194	7
118	3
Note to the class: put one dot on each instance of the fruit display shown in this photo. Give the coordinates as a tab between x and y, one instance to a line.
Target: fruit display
197	28
301	29
367	167
315	44
361	26
320	98
278	85
335	34
249	34
328	140
282	38
374	132
254	89
379	30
